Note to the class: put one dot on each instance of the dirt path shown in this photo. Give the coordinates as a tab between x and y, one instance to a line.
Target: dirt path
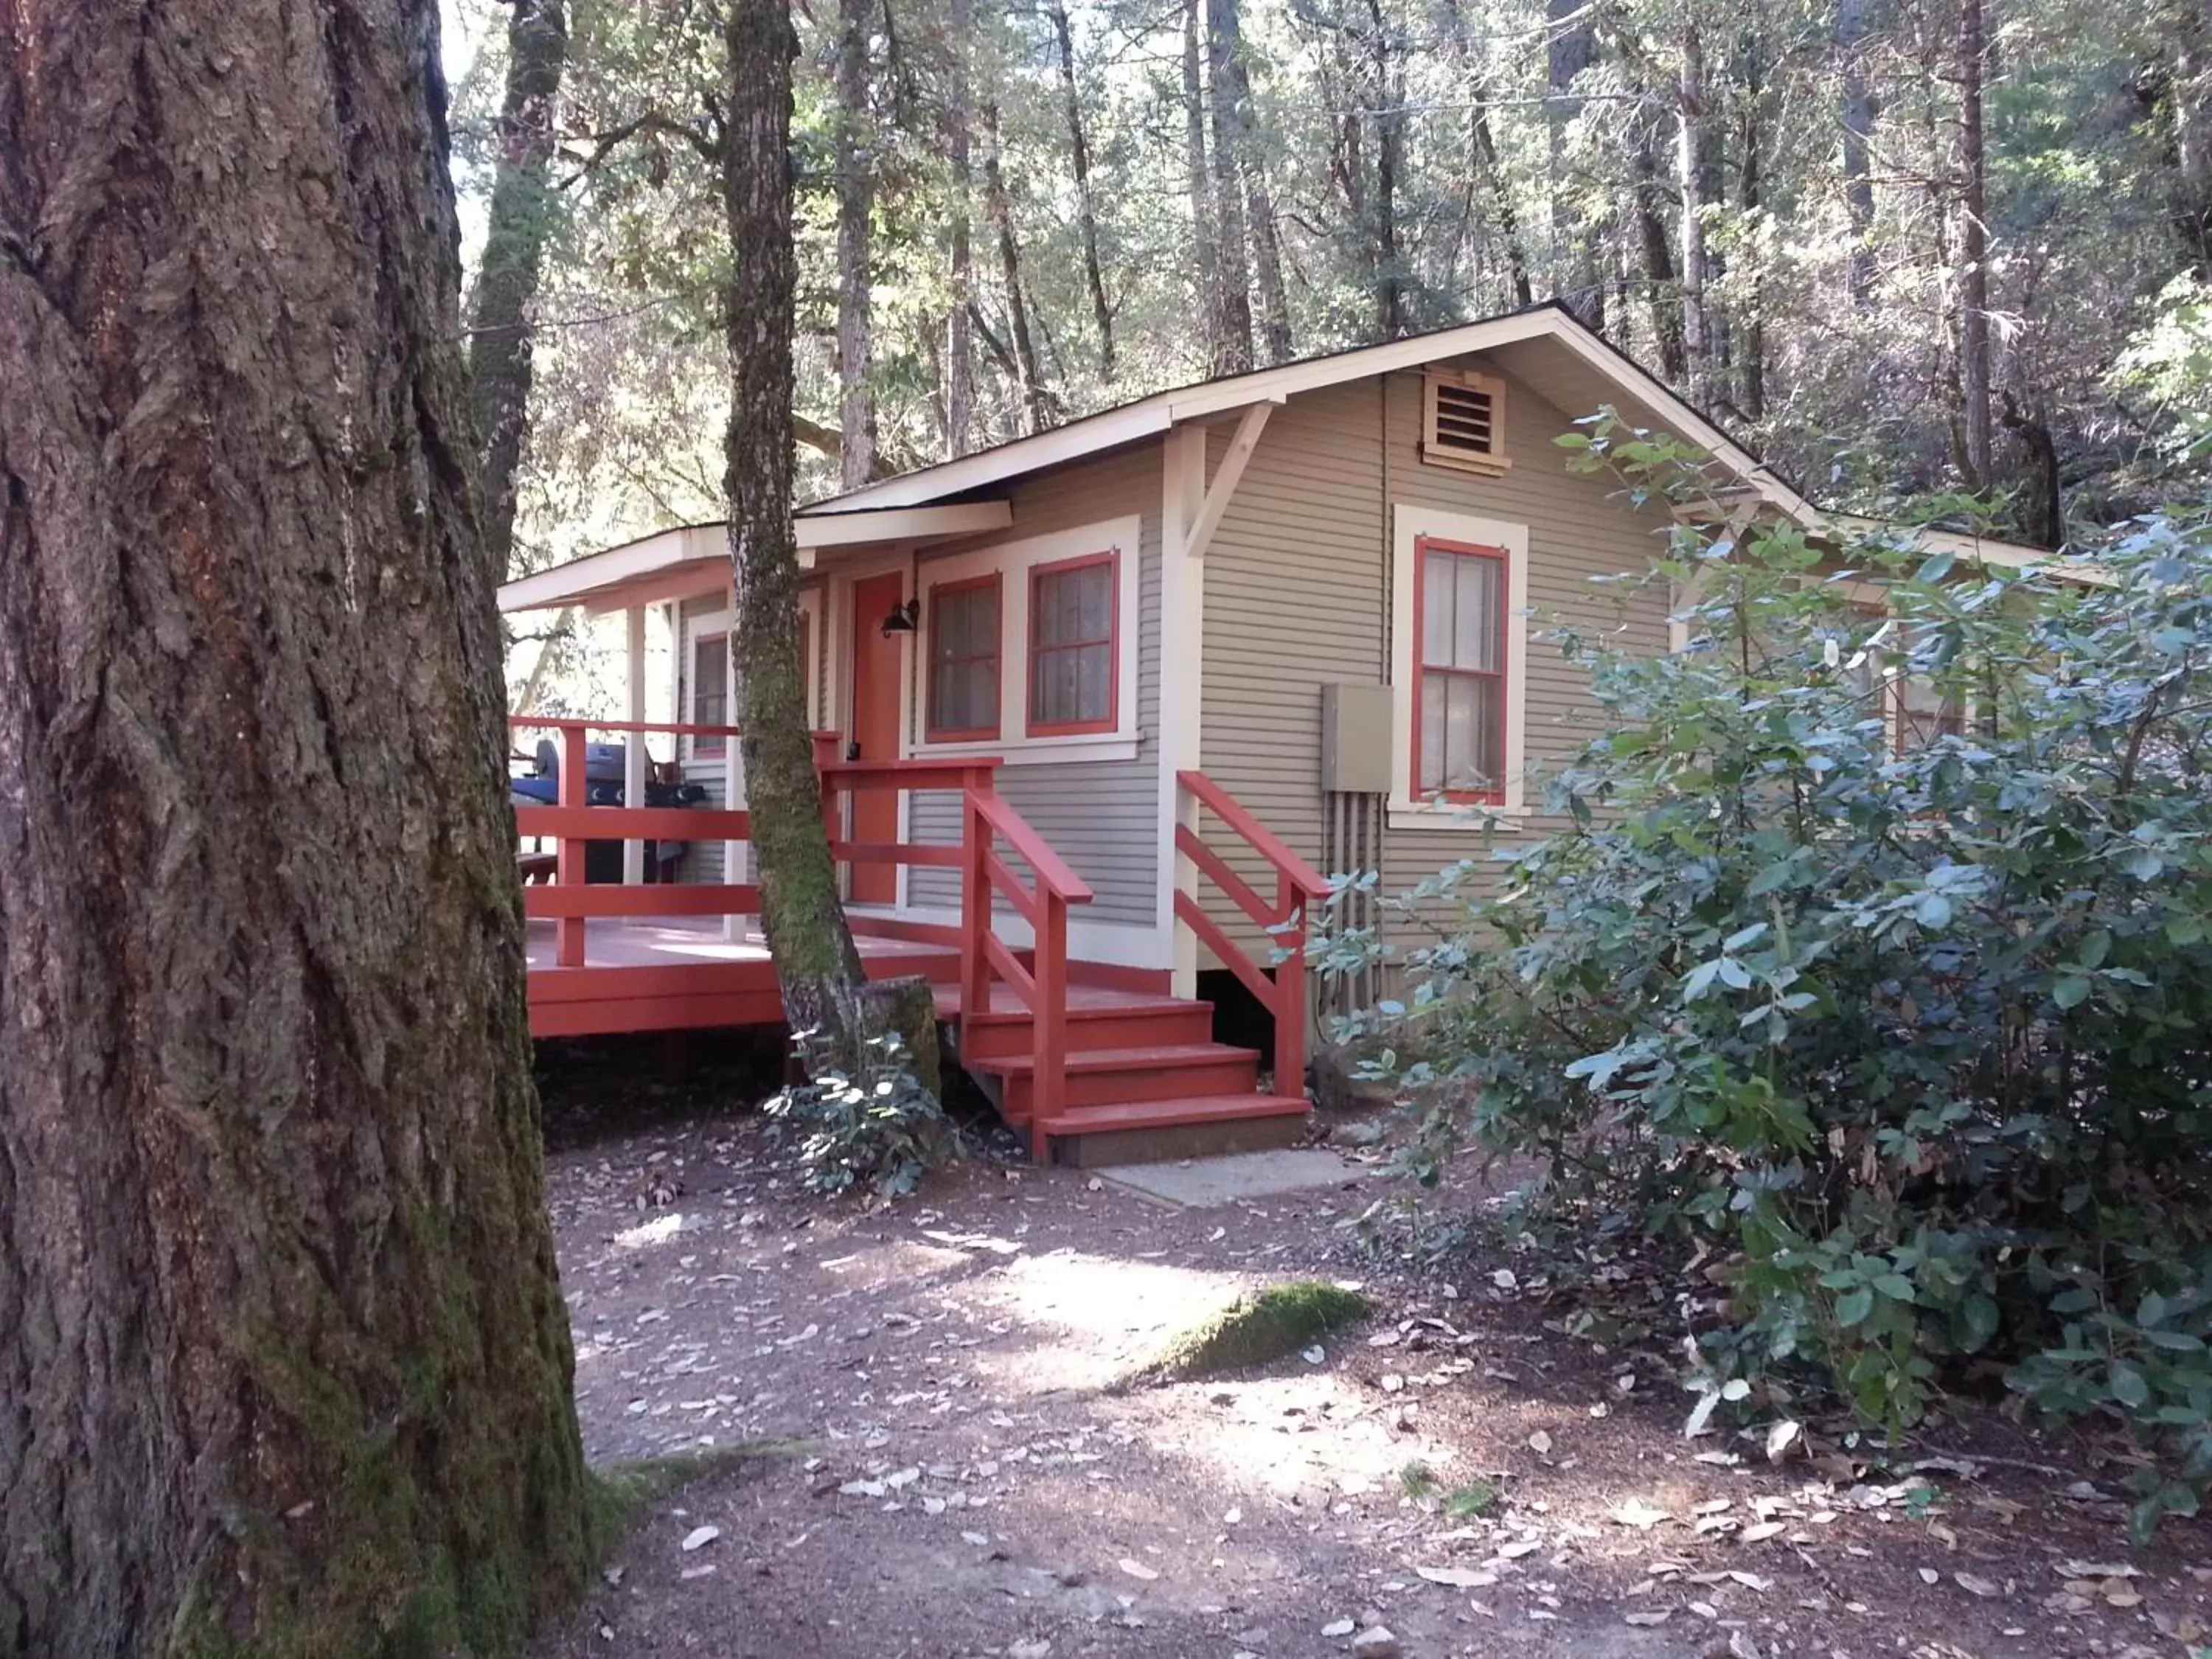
954	1482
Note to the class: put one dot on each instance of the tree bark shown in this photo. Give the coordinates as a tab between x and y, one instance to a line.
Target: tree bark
855	166
1390	319
1974	379
1206	241
1036	400
521	221
1858	116
817	963
286	1363
1571	49
1663	292
1086	215
1233	332
960	338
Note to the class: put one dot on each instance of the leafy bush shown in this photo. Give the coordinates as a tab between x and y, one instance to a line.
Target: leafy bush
1910	1033
880	1129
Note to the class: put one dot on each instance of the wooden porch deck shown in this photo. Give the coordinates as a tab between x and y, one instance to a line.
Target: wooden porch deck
682	973
1094	1063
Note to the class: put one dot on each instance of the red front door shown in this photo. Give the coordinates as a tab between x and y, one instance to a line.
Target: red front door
877	660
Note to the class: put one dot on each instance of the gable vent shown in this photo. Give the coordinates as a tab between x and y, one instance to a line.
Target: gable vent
1463	421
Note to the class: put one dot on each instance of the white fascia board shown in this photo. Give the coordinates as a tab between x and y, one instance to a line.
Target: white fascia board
565	584
901	524
1067	443
1273	385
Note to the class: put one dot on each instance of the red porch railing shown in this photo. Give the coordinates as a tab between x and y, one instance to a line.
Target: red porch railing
1296	882
572	824
986	820
1038	977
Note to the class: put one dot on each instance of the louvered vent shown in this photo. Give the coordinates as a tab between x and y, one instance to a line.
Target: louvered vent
1464	423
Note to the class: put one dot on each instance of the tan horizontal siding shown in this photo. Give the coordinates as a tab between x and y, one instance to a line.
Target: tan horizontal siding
1297	596
1102	816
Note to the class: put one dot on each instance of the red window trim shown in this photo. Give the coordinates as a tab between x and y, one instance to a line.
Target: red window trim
1423	546
705	748
1037	728
933	732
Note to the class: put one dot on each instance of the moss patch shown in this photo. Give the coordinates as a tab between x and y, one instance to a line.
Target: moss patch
619	1495
1255	1330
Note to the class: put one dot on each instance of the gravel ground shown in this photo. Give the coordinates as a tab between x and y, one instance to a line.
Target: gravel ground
910	1442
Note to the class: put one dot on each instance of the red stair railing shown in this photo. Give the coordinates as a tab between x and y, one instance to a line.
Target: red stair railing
1296	883
572	824
1043	985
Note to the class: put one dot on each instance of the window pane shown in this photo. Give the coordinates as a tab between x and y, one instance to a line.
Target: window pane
1074	605
964	659
1438	594
1475	635
1070	685
1462	749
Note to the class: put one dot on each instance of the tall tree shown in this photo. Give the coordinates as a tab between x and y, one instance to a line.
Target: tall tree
286	1361
1086	214
1692	179
521	218
1976	412
856	162
1205	231
999	210
959	329
1233	333
1571	49
1858	116
825	990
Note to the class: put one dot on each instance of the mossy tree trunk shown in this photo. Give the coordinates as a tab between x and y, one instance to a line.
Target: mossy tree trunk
284	1358
521	218
824	989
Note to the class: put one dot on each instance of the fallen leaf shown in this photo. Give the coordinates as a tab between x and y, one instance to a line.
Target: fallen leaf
700	1537
1457	1577
1540	1443
1339	1627
1137	1569
1929	1575
1641	1514
1975	1584
1763	1531
2095	1570
1659	1617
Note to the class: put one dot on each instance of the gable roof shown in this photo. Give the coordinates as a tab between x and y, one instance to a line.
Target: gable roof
1545	342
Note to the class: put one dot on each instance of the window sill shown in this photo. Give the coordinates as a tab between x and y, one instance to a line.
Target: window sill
1036	751
1406	815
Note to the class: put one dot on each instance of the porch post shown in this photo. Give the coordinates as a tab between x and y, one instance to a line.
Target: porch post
634	757
1182	638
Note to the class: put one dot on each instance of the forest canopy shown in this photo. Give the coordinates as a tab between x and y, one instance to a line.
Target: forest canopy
1898	246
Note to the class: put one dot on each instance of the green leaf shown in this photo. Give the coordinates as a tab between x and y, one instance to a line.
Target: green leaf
1896	1287
2070	991
2095	947
2128	1386
1933	912
1854	1307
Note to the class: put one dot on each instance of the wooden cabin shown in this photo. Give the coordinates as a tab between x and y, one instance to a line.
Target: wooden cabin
1098	707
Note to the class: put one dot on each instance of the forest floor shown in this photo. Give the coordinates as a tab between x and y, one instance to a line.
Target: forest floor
912	1441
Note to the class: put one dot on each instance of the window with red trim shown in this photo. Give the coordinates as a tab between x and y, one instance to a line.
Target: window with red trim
963	699
1459	710
1073	660
710	690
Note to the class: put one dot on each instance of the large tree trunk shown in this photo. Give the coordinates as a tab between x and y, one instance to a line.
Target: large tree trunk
286	1366
520	219
1973	254
1390	319
817	963
1266	253
1233	332
1086	215
1571	49
855	163
1663	294
1858	113
959	336
1206	240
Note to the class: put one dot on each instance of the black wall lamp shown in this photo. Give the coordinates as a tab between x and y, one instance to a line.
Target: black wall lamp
904	618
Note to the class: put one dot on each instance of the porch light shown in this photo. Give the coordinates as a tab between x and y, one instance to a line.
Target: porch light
904	618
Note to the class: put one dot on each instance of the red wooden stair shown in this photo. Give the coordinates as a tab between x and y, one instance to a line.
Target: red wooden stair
1142	1077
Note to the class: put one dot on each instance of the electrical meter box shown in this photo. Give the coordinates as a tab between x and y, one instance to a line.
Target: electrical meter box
1355	739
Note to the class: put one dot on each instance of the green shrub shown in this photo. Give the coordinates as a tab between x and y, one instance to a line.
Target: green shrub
1914	1037
882	1129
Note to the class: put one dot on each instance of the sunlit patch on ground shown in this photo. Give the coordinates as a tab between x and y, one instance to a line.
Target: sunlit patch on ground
1109	1314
